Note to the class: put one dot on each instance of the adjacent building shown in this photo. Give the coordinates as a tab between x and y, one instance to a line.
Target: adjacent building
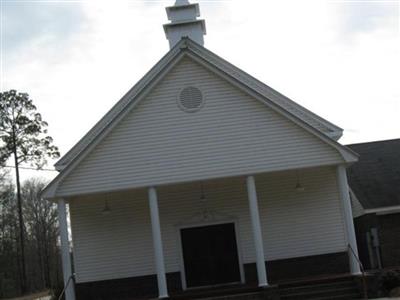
375	192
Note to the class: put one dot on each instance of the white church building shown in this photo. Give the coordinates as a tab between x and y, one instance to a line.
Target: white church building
202	176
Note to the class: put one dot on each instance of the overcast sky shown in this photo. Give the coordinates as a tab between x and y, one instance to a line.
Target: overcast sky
340	59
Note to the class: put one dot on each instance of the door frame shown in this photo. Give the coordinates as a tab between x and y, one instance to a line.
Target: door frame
233	221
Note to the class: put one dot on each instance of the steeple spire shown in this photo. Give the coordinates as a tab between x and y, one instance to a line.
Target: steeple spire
184	23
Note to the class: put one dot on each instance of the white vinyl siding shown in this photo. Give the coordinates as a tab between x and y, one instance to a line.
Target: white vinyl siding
293	223
158	143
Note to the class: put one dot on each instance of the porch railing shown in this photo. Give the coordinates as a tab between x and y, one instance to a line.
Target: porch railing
71	278
363	274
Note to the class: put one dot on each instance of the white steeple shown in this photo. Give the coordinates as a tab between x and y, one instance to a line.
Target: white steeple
184	23
181	2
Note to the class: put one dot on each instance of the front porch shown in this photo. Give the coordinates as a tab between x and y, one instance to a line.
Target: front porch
163	241
338	286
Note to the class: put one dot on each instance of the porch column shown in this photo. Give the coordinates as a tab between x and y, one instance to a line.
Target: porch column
348	216
65	254
157	244
257	235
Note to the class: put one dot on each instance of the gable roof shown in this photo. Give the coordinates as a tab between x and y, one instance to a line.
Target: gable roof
375	178
188	46
310	122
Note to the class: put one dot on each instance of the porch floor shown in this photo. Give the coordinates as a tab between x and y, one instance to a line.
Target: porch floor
273	291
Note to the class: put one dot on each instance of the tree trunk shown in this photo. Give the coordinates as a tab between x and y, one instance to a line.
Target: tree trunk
47	279
20	220
17	254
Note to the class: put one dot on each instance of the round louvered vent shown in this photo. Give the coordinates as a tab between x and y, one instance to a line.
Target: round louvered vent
190	99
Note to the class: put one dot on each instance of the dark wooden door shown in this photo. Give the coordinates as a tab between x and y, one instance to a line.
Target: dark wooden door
210	255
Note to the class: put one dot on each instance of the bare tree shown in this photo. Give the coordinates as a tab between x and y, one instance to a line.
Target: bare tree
10	272
41	239
41	223
23	135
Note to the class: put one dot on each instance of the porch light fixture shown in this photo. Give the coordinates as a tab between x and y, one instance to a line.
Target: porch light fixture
106	209
299	187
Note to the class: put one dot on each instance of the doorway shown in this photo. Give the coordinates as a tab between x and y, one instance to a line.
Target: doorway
210	255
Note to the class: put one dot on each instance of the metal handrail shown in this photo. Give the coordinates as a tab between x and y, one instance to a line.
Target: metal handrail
65	287
365	288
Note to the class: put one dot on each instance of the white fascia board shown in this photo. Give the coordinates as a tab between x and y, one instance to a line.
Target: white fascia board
335	135
59	167
394	209
383	210
349	156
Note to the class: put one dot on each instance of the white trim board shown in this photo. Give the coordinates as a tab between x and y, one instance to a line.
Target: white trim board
383	210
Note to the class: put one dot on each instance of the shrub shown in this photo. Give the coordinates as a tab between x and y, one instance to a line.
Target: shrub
389	280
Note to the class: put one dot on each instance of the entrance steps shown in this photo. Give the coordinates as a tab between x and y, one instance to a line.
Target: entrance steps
237	292
339	288
342	287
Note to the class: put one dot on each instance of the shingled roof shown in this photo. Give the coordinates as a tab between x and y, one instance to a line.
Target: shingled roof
375	178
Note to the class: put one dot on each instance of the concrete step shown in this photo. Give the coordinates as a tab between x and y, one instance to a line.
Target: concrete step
316	281
340	288
246	296
229	292
343	297
319	286
317	294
